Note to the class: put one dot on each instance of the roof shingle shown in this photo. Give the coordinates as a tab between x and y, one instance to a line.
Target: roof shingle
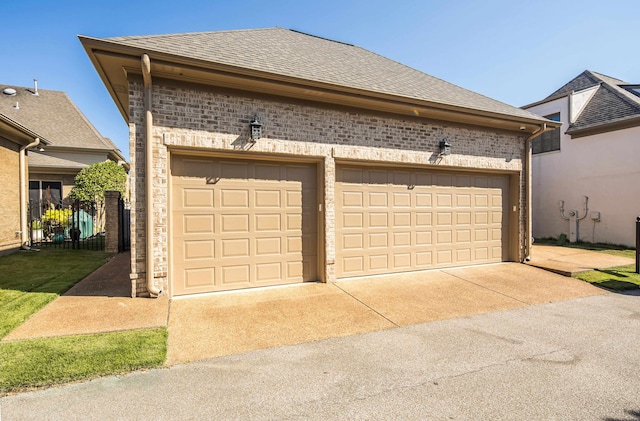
55	117
294	54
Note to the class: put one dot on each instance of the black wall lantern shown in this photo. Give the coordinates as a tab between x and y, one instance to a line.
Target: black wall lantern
445	148
256	129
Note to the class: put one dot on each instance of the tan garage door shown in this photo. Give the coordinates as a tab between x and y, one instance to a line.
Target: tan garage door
240	224
399	220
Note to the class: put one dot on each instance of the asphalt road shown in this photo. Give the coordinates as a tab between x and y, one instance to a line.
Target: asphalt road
571	360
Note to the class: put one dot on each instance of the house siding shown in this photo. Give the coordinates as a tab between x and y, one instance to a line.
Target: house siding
204	119
10	193
602	167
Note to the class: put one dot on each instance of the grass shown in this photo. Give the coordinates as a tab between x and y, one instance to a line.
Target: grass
45	362
31	280
28	282
620	278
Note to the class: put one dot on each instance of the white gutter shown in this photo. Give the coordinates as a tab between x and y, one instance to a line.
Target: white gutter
148	133
528	182
24	229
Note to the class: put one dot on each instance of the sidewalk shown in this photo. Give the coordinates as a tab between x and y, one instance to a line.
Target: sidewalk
570	262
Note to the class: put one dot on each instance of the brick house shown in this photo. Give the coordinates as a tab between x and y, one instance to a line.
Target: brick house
73	142
269	156
15	143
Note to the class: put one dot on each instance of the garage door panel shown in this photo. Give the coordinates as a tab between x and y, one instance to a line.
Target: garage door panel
249	223
197	198
400	220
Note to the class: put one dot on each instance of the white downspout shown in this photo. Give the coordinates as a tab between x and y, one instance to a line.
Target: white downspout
22	164
148	133
528	182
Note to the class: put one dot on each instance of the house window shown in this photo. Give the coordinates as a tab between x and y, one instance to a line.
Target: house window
548	141
48	192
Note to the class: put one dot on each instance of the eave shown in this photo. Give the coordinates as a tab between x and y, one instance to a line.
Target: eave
115	63
610	126
18	133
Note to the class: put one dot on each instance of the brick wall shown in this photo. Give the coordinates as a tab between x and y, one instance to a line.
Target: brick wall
10	193
215	120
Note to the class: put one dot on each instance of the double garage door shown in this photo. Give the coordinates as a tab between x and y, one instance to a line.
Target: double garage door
398	220
239	224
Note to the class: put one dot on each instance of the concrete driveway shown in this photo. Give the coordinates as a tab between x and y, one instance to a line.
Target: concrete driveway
208	326
569	360
222	324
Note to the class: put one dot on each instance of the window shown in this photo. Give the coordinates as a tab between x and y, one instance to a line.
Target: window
548	141
49	192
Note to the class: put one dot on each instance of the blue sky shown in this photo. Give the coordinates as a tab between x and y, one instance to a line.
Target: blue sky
513	51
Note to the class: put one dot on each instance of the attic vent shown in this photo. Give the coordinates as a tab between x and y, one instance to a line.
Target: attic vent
9	91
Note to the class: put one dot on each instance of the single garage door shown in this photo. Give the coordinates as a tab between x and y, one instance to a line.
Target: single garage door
240	224
399	220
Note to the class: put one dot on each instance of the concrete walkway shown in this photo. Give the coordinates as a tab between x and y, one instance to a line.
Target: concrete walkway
571	261
213	325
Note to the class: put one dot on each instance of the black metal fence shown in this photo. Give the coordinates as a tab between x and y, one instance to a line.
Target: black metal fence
124	225
66	224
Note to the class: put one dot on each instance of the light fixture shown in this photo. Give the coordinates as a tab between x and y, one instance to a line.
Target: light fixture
445	148
256	129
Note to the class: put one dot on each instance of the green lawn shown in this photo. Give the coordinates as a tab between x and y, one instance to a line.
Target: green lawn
619	278
31	280
28	282
44	362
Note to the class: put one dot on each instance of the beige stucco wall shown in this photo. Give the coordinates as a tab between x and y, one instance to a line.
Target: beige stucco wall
10	193
603	167
215	121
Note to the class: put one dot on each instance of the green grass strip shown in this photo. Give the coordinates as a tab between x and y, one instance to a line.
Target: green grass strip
31	280
44	362
620	278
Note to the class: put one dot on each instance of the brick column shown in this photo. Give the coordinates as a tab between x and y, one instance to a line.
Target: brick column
112	221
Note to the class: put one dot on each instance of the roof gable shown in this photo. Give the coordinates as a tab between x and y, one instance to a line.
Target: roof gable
55	117
605	105
279	51
611	107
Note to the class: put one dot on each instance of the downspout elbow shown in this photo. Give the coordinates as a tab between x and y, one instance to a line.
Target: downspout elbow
148	132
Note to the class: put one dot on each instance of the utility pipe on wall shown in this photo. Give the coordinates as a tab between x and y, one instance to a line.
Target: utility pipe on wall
528	182
22	168
148	175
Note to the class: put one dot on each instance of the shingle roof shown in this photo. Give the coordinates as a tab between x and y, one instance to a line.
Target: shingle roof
610	103
294	54
54	116
41	160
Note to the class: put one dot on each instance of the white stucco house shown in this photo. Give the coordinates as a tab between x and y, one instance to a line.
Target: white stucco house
585	174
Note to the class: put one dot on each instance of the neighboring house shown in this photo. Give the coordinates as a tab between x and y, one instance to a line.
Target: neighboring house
15	141
269	156
585	174
73	141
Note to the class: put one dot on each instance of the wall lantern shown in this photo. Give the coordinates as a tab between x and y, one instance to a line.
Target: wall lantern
256	129
445	148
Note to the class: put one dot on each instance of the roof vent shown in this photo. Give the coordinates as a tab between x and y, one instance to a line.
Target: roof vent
9	91
35	87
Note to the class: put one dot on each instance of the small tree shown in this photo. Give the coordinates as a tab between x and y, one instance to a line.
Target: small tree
91	183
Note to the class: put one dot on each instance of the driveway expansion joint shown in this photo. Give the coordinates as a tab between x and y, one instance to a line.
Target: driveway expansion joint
484	287
367	306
